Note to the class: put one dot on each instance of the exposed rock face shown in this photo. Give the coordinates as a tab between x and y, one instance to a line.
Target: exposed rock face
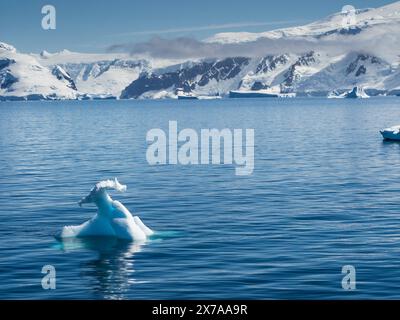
61	74
269	63
188	78
6	78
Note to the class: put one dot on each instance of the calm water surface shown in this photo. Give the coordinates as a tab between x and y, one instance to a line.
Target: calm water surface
325	193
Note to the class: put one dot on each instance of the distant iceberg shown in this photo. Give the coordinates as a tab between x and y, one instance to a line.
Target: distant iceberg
355	93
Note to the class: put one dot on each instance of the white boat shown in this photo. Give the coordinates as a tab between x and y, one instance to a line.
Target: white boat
392	133
187	97
182	95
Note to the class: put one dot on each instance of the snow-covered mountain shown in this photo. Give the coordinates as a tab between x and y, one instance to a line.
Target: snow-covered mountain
316	59
65	75
23	77
370	19
97	75
335	57
311	73
207	77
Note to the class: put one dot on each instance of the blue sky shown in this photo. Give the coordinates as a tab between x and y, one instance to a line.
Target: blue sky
91	26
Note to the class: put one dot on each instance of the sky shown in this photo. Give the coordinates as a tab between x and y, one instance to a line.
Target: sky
94	25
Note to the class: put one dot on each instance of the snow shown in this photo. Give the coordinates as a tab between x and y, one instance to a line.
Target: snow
333	74
66	56
104	75
7	47
392	133
394	129
33	78
162	94
389	14
112	218
355	93
111	82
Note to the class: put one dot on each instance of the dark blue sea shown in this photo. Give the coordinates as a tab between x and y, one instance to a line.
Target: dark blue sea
325	192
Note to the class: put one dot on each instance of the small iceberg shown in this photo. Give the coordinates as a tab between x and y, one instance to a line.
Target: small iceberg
113	219
355	93
392	133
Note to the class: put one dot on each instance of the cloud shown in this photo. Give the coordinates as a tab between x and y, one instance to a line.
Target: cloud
207	28
381	42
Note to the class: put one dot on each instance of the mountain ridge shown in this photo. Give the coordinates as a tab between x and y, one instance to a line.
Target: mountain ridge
331	57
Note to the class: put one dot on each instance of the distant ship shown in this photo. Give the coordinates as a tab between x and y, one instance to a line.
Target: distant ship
187	97
182	95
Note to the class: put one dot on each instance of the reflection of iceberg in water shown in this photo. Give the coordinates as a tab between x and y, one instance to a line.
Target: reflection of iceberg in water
112	270
112	218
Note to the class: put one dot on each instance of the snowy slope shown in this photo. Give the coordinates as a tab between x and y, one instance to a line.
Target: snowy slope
351	70
99	75
107	77
328	27
335	58
312	73
22	76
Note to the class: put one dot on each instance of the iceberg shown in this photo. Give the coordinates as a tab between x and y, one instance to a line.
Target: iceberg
113	219
355	93
392	133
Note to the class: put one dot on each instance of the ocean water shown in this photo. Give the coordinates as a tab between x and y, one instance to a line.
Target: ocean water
325	193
